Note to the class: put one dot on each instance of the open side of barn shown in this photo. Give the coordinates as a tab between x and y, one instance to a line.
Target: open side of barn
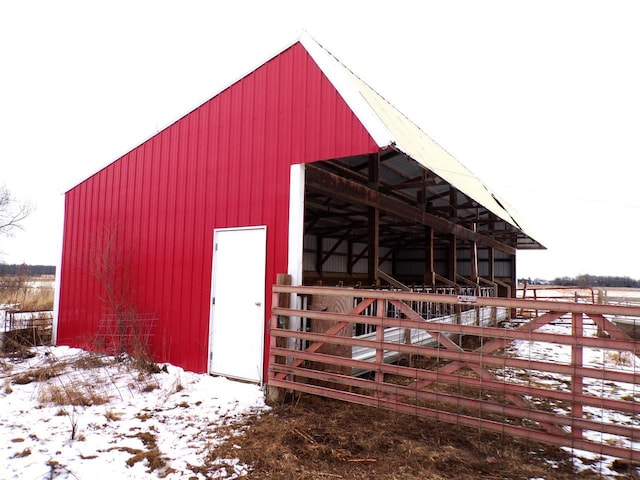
297	167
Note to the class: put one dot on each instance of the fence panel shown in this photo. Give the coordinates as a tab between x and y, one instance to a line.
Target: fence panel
566	376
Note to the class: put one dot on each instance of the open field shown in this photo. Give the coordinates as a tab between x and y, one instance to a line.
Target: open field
27	293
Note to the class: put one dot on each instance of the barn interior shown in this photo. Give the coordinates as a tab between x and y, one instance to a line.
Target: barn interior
384	220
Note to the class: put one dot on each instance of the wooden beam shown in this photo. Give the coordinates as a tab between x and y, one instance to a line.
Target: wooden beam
373	240
319	254
474	258
335	247
452	259
429	270
348	190
492	273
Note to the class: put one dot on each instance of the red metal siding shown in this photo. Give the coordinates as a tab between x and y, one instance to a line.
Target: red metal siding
225	164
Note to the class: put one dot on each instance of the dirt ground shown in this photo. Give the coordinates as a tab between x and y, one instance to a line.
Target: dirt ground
315	438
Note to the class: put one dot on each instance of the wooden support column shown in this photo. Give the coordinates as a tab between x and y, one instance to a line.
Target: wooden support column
474	258
373	239
429	270
276	395
514	280
492	258
319	241
452	259
373	245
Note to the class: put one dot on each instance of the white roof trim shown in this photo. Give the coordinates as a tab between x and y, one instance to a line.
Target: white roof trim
338	76
388	126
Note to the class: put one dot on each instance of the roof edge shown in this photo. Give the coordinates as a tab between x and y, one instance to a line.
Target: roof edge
333	69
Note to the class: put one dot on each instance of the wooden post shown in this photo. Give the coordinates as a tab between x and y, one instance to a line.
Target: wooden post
452	259
380	313
319	241
492	270
374	223
276	395
429	270
283	301
474	258
576	379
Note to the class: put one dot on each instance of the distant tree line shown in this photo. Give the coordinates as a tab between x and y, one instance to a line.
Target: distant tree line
27	270
596	281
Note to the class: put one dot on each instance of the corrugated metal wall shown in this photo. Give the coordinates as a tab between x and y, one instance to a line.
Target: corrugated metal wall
225	164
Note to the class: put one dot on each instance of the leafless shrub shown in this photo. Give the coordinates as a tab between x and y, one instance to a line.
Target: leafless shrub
124	330
73	420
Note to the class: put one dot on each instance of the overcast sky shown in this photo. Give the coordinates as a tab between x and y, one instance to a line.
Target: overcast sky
539	99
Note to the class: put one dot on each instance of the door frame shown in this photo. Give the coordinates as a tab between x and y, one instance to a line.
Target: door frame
212	312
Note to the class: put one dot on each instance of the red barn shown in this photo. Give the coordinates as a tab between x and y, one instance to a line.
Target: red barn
299	167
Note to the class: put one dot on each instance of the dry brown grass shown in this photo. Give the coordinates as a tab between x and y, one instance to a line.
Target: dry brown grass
153	456
40	298
75	394
324	439
21	291
39	374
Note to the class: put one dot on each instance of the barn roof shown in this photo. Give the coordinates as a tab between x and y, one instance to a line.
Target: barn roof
390	128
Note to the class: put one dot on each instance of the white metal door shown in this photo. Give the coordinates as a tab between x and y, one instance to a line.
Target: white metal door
236	330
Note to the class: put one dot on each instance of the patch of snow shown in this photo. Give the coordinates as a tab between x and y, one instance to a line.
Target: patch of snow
180	414
592	357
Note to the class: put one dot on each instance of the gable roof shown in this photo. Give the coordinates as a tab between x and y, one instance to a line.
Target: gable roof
389	127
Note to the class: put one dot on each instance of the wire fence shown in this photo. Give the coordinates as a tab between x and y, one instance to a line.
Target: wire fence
128	332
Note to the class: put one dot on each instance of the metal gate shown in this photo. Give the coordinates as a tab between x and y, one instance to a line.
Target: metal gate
568	375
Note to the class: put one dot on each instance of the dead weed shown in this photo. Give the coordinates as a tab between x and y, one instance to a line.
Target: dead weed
319	438
76	394
39	374
153	456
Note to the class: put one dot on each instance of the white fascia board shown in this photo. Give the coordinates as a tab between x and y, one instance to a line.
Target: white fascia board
57	279
337	74
296	223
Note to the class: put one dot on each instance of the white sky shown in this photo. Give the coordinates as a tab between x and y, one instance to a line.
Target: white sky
540	99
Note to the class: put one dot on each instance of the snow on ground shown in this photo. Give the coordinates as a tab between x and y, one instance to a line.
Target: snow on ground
135	425
598	358
132	425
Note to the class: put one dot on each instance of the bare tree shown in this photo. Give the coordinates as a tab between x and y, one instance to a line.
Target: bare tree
122	328
112	267
12	212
